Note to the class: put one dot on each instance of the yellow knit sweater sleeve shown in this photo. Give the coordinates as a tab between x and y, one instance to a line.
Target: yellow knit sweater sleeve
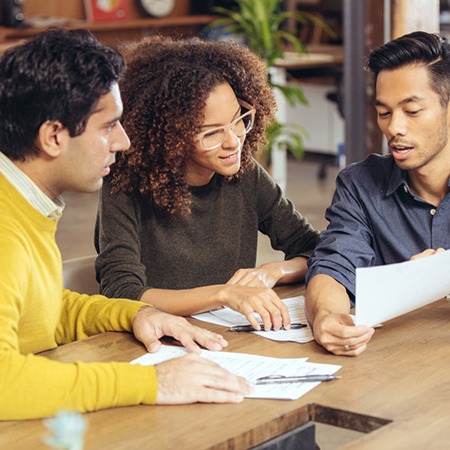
37	315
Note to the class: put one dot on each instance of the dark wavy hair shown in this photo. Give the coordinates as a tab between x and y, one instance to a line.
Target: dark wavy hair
164	93
58	75
418	48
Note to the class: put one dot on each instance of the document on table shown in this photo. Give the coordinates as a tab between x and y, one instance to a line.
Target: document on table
252	367
385	292
296	307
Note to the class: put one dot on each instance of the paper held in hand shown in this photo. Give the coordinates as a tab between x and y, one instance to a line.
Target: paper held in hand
385	292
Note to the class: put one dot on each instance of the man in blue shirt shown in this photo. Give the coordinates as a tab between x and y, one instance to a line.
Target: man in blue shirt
387	209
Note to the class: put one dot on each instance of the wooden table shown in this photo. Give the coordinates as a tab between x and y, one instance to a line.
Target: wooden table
397	392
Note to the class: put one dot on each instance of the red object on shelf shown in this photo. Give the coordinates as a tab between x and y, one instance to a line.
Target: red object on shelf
106	10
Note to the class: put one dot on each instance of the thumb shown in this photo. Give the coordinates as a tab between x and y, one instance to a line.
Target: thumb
152	345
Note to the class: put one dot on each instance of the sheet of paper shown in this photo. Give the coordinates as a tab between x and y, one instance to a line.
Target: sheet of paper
385	292
252	367
296	307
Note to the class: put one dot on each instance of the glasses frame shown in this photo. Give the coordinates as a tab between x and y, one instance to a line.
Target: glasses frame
226	128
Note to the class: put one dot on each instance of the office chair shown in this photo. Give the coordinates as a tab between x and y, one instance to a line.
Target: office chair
79	275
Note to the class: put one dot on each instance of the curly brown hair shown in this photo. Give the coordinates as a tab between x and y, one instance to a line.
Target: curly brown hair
164	94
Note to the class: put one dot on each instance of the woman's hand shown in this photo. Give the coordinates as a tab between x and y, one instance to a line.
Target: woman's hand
269	274
262	276
249	300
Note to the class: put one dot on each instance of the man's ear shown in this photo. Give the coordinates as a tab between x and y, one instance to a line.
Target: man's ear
52	137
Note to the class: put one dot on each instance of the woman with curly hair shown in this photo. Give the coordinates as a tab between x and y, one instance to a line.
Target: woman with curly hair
178	219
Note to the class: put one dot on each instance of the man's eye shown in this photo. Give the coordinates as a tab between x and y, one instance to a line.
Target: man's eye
383	115
413	113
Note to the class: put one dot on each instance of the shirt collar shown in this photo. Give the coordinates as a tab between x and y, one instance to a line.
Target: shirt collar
30	191
396	178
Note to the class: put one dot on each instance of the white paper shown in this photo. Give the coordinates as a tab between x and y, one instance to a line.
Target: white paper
385	292
296	307
252	367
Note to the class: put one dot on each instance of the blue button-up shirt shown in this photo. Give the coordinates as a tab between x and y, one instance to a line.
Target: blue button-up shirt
375	219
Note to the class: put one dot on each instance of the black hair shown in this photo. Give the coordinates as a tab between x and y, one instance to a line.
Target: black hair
420	49
59	75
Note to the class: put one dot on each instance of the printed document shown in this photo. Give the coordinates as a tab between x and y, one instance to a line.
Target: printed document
296	307
252	367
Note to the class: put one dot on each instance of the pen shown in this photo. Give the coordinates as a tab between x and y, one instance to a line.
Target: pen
275	379
238	328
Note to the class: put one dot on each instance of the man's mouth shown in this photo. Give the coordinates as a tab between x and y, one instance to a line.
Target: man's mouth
400	148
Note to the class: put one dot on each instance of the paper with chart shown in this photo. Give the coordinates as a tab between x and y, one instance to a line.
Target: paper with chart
252	367
385	292
296	306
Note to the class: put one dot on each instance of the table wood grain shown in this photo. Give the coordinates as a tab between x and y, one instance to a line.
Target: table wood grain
397	393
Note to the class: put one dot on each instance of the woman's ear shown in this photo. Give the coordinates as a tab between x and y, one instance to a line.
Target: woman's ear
52	137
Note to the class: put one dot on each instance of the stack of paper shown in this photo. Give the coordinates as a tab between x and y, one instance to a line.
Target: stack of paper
253	367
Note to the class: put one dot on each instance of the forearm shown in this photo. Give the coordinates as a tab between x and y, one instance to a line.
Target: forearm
286	272
38	387
83	316
185	302
324	295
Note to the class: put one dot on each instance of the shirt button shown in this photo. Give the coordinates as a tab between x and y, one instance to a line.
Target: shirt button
432	211
405	188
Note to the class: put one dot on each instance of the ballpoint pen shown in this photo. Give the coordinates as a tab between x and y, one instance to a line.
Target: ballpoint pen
275	379
294	326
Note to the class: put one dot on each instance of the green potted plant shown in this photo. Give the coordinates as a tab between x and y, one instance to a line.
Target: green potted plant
261	24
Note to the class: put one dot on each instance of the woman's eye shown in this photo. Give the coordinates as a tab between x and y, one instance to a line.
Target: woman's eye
212	133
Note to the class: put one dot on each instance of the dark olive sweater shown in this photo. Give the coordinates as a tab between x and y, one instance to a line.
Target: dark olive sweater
141	247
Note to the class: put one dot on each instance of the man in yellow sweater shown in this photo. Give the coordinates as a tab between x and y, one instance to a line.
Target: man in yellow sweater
60	110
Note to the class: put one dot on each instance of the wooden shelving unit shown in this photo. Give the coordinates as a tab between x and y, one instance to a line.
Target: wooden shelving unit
112	33
186	19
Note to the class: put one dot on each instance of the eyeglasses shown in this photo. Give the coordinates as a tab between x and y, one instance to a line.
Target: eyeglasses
215	137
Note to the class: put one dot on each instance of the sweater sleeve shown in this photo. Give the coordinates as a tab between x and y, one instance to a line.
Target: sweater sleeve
33	386
84	315
118	265
287	229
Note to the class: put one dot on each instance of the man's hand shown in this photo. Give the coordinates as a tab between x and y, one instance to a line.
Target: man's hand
337	334
250	300
192	379
428	252
149	325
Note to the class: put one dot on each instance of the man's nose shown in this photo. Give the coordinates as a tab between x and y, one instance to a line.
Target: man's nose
397	125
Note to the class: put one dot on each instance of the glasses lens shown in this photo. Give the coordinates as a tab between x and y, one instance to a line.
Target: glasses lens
240	127
213	139
243	124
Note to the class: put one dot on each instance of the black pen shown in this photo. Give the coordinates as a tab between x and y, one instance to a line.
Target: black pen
276	379
238	328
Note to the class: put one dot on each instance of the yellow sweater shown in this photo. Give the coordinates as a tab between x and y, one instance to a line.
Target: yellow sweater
36	314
